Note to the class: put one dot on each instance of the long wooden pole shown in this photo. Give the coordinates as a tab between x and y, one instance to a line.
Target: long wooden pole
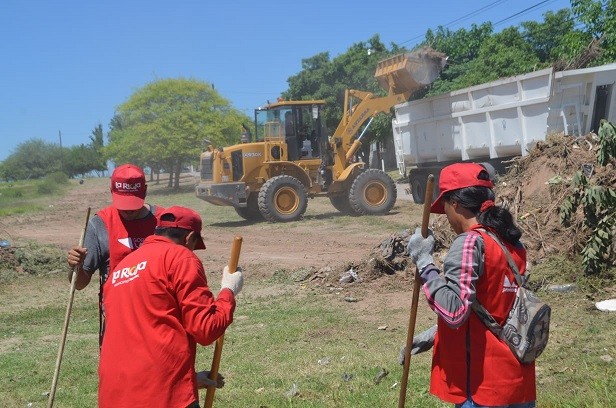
415	300
209	394
67	317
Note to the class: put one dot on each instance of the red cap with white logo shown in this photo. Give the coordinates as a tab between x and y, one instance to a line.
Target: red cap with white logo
128	187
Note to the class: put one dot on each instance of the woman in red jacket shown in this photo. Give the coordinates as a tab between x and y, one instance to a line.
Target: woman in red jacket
471	367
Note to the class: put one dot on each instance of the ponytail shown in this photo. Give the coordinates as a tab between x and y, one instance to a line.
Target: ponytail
480	201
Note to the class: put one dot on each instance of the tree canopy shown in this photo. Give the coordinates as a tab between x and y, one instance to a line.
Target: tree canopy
166	123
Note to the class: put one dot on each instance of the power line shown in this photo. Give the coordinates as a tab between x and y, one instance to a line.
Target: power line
465	17
485	8
525	11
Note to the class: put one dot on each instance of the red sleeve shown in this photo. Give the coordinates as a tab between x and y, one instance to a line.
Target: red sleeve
204	317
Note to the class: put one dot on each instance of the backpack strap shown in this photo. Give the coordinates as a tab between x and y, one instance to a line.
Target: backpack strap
481	311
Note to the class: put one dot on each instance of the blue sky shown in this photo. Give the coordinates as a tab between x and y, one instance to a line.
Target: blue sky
65	65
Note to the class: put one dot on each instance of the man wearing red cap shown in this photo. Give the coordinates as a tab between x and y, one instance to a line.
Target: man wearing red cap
472	367
115	231
158	307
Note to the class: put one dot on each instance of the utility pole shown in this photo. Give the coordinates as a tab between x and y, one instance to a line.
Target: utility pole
61	151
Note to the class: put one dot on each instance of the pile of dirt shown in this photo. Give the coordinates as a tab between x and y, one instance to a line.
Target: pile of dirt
533	189
536	185
30	258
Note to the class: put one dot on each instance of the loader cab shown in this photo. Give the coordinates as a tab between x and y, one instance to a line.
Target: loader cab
299	124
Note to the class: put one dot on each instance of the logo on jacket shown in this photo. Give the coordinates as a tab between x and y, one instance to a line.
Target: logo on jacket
509	286
131	243
128	274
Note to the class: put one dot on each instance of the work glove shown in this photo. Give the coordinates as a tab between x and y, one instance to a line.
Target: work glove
232	281
422	342
203	380
419	249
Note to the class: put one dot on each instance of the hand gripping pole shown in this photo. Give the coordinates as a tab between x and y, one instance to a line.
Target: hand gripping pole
209	394
416	285
54	382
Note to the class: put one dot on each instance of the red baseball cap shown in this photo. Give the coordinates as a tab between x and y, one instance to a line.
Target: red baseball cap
457	176
184	218
128	187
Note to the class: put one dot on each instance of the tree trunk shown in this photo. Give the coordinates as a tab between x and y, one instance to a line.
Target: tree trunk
178	171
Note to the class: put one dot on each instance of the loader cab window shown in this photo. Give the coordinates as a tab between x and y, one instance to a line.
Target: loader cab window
269	125
300	126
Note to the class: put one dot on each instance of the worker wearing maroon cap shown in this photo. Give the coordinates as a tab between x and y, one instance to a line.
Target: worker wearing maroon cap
471	367
158	307
115	231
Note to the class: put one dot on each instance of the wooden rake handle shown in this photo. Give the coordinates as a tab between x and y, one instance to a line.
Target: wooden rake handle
54	381
209	394
425	219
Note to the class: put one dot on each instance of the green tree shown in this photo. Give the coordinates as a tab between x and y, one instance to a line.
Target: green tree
547	38
97	142
164	125
33	159
327	79
599	21
462	49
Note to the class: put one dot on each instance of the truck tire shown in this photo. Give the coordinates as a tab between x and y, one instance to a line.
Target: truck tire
418	187
342	204
251	212
283	199
372	192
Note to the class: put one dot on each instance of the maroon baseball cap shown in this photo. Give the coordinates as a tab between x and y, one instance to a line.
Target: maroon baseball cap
182	217
457	176
128	187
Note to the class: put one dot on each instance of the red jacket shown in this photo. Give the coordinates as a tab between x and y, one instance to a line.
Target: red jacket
158	305
469	359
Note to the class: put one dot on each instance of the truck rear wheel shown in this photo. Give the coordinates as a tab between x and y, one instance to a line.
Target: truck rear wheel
282	199
373	192
251	211
418	187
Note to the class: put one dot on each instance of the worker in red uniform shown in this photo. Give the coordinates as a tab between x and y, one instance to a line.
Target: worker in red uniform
158	307
471	367
115	231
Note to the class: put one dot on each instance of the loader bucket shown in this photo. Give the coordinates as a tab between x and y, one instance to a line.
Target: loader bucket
410	71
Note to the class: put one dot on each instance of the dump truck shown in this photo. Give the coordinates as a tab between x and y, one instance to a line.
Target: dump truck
289	156
494	122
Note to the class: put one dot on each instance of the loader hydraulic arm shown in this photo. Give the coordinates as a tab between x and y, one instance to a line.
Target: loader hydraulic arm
400	76
355	115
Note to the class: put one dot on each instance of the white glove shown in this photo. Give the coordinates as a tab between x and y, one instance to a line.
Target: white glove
420	248
232	281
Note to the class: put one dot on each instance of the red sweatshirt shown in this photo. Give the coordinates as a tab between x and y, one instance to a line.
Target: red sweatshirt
158	306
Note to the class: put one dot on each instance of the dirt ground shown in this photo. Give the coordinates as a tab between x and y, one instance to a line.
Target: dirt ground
62	222
320	249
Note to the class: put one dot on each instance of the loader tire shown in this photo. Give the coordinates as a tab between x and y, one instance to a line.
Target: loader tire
373	192
251	212
342	204
283	199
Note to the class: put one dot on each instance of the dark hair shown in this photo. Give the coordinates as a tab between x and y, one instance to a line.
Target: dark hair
177	235
496	217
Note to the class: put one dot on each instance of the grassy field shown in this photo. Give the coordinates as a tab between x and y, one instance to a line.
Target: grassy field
294	336
21	197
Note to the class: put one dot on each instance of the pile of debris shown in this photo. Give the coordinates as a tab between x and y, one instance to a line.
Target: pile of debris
533	189
29	258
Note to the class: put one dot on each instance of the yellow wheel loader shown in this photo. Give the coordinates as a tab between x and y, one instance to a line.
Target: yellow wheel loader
291	158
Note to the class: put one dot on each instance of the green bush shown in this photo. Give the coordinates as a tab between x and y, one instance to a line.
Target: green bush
46	188
57	177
